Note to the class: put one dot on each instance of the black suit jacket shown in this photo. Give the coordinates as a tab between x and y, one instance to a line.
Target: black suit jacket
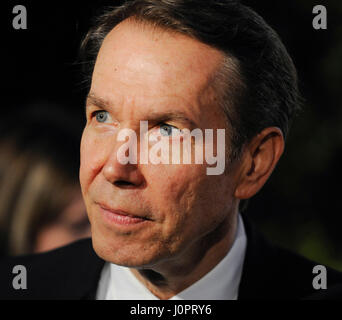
73	272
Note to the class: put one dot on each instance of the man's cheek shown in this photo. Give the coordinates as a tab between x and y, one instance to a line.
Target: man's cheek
92	160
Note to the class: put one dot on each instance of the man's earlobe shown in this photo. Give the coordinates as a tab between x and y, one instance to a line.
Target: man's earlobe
259	160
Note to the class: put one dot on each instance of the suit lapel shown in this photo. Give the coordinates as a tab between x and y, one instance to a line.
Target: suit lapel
257	276
90	267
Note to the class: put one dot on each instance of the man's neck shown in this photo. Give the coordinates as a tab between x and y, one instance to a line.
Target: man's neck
173	276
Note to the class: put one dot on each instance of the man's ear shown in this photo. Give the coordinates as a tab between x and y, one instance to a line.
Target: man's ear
259	159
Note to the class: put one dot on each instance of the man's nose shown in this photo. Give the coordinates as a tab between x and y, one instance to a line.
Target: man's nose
118	171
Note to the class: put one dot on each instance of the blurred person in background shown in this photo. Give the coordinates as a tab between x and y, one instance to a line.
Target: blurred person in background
41	206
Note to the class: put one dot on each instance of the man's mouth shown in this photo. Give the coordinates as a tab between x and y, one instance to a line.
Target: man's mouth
119	216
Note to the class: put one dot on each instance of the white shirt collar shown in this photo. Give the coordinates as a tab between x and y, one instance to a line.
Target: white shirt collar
221	283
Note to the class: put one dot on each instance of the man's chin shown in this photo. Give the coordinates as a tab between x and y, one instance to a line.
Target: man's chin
128	256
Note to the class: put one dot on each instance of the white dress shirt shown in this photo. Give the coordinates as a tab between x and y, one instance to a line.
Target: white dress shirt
221	283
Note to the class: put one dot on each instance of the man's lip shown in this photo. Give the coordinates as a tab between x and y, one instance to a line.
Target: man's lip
121	212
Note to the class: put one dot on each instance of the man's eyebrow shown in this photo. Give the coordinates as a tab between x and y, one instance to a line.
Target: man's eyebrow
97	101
170	115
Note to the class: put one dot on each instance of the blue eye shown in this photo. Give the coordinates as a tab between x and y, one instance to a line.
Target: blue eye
101	116
168	130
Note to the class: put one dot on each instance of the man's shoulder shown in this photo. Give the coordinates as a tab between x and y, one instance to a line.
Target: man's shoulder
69	272
273	272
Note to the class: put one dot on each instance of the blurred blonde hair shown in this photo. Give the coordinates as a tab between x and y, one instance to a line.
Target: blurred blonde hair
39	161
33	191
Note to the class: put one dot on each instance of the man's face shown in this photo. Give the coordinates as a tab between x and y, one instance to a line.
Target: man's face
146	74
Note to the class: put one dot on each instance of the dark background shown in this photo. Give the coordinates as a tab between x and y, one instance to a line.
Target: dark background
300	206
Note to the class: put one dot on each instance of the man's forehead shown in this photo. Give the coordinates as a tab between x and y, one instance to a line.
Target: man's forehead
163	55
